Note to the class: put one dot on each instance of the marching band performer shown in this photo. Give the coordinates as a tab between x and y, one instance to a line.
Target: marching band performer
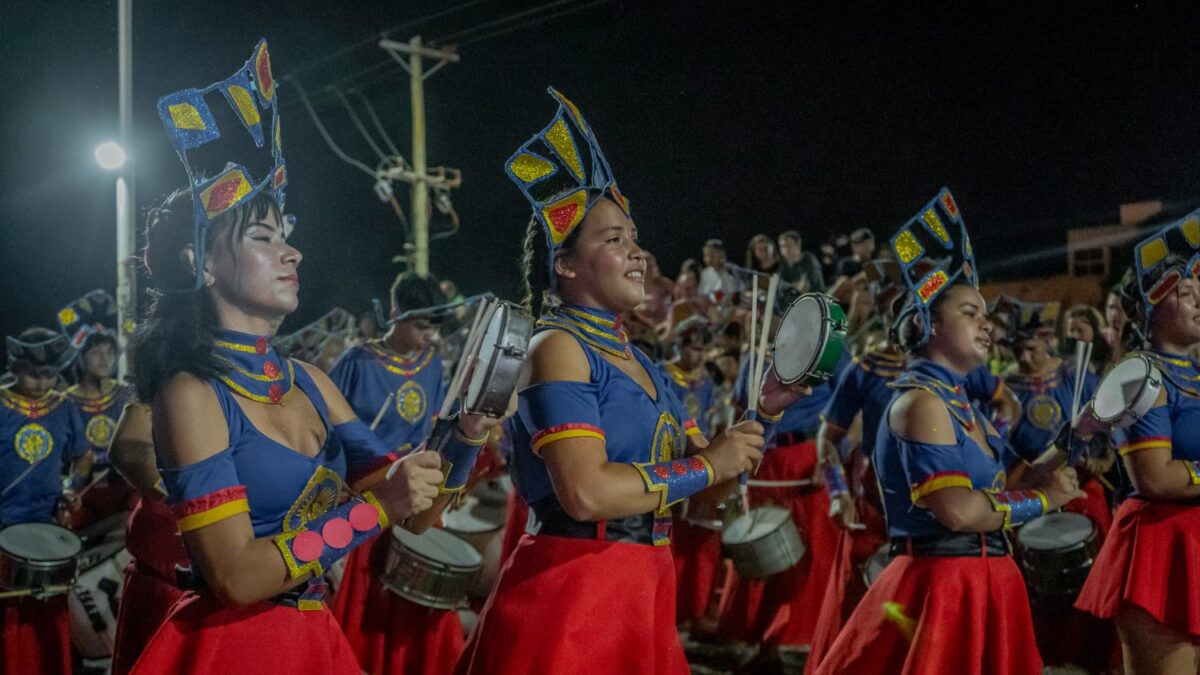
1144	575
45	433
252	447
599	441
952	599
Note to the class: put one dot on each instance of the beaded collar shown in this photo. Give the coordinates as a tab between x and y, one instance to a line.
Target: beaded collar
394	363
1038	384
1182	371
942	382
599	329
887	364
28	407
96	404
684	378
256	371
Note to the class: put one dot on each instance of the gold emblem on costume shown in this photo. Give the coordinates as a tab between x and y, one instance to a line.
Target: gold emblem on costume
99	430
668	440
1043	412
410	402
318	496
1000	481
692	403
33	443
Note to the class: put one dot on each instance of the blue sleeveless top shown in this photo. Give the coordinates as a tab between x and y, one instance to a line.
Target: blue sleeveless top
1169	425
280	488
1045	406
40	437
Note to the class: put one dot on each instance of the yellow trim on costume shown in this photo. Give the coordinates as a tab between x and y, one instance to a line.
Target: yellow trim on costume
693	430
1193	469
257	377
239	389
566	433
589	316
397	364
942	482
1144	445
295	569
768	418
370	498
28	407
470	441
1044	500
97	404
248	349
308	605
213	515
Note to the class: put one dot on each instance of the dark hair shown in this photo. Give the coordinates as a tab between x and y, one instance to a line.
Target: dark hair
535	262
791	234
415	291
906	332
751	259
177	333
98	340
690	266
715	243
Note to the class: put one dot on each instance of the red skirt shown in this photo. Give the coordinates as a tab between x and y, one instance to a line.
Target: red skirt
1149	561
697	553
514	525
388	634
150	590
35	636
939	615
1094	506
204	636
783	608
572	605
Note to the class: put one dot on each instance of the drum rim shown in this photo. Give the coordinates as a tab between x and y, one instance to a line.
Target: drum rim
1149	382
405	548
823	303
500	352
768	533
501	313
43	562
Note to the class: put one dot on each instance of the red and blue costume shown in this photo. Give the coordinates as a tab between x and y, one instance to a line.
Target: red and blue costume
108	494
947	602
603	592
1147	560
388	633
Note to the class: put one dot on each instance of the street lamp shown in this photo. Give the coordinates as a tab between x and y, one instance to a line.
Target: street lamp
110	156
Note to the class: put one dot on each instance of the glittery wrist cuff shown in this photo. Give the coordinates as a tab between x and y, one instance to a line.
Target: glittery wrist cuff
1193	468
676	480
835	480
458	454
1019	506
313	548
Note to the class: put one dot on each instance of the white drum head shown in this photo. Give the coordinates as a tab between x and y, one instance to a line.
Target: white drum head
800	338
475	516
1119	389
487	347
1055	531
440	546
40	541
754	525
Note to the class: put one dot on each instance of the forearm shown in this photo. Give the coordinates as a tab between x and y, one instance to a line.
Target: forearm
613	490
1164	479
134	460
963	510
240	574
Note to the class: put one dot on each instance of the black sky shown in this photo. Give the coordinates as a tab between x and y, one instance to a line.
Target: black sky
719	119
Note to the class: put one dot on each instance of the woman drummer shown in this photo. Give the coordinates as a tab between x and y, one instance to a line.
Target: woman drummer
252	447
952	599
599	440
1145	575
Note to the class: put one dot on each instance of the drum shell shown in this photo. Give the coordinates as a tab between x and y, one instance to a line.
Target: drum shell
504	368
425	581
822	365
766	555
484	532
19	572
875	565
1055	576
1143	400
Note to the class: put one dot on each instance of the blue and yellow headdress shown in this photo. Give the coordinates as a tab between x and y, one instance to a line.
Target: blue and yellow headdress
1163	259
94	313
1026	319
189	122
563	173
933	251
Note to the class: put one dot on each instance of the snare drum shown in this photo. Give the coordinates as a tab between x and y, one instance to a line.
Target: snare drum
435	569
1056	553
810	340
38	555
497	365
480	523
763	542
875	565
1127	392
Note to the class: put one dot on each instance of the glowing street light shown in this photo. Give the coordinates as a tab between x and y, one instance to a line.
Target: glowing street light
110	155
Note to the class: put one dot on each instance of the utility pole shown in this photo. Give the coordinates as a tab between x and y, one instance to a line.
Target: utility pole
126	203
415	67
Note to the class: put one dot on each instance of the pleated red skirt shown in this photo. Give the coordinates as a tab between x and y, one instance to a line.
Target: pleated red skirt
387	633
1150	561
936	615
697	553
515	521
579	605
202	636
35	636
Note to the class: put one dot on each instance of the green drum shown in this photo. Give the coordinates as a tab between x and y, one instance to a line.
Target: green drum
810	340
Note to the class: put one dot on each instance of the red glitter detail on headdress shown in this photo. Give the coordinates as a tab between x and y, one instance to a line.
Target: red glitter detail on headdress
562	217
949	205
262	68
223	195
279	179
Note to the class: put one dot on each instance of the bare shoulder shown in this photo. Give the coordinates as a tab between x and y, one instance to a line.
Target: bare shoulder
188	423
922	417
339	410
557	355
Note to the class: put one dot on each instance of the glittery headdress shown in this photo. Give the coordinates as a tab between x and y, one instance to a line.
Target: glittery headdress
933	251
95	312
55	352
190	124
563	173
1026	319
1165	258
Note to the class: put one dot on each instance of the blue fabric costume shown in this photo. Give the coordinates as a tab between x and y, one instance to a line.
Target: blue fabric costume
100	415
803	417
695	389
1045	405
864	387
47	434
1181	379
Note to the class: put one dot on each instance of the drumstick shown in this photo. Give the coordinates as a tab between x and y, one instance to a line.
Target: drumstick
383	409
752	368
772	287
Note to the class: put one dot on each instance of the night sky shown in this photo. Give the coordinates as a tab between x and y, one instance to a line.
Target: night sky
719	119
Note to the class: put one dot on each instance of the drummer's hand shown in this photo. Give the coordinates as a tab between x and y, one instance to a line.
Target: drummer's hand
412	487
736	450
842	512
1061	486
476	425
777	396
1086	424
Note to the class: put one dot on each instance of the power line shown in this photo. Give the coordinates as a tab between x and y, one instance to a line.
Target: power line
502	20
532	22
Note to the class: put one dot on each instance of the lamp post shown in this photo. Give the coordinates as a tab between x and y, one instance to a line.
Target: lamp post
112	157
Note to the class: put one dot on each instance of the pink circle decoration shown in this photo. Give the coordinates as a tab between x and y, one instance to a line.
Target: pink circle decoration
337	533
307	546
364	517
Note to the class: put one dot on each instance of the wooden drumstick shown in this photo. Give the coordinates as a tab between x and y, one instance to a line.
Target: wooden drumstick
383	409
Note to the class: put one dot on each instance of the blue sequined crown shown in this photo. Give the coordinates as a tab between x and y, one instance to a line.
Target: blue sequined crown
563	172
1026	319
1165	258
95	312
189	122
